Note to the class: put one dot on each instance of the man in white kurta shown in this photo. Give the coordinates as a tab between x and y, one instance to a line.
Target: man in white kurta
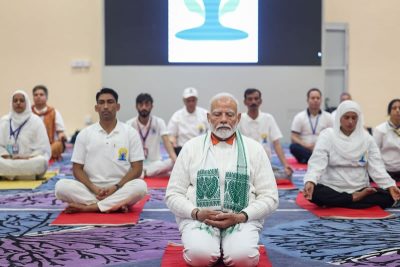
107	161
187	122
263	128
307	125
152	131
24	146
221	189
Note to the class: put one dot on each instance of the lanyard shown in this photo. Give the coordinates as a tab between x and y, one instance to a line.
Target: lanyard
144	136
15	133
313	127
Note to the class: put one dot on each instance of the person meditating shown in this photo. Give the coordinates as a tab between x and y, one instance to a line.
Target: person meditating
152	131
344	159
24	146
52	119
221	189
107	161
387	136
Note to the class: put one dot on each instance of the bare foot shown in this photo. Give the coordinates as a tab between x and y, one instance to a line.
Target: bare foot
357	196
76	207
125	209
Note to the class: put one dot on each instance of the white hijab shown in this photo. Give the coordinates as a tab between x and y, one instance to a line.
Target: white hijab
354	146
19	118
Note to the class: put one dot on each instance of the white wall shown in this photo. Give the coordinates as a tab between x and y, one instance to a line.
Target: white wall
284	88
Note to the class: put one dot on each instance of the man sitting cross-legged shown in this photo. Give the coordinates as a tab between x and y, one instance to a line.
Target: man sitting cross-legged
107	160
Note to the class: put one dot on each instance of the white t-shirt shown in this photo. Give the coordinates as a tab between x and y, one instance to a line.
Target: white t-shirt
184	125
389	144
107	157
263	129
309	126
151	135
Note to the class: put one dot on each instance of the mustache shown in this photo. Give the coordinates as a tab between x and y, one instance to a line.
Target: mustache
253	105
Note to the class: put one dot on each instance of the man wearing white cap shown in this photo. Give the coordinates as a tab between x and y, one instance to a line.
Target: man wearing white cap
187	122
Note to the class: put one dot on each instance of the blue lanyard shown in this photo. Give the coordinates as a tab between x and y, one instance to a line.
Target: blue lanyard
313	127
143	136
15	133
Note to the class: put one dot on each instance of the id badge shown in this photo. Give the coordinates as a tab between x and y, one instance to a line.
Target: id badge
9	148
15	149
146	152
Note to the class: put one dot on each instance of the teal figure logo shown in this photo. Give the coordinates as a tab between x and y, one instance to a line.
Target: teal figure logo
212	29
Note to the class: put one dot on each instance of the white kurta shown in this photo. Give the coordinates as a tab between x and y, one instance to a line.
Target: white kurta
32	141
155	129
263	129
329	168
181	191
184	125
303	125
389	144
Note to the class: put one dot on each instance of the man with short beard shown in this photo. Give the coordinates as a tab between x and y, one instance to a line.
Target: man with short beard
152	130
221	189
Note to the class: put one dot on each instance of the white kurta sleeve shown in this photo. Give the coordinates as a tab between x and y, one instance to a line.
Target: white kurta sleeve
319	158
376	168
41	145
179	182
265	189
60	126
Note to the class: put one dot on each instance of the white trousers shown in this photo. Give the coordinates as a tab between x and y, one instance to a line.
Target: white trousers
158	167
23	169
204	244
73	191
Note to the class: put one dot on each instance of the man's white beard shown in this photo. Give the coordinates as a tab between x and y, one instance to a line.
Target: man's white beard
223	133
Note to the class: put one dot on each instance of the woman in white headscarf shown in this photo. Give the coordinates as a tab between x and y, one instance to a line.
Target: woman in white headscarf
344	158
387	136
24	145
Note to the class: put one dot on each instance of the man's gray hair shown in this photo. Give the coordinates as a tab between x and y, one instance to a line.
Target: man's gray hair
224	95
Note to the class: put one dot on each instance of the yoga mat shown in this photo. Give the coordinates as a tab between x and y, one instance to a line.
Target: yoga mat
285	184
173	257
97	218
26	184
373	184
296	165
157	182
374	212
16	184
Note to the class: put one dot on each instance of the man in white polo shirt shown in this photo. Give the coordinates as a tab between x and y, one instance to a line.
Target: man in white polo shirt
152	130
307	125
107	160
188	122
263	128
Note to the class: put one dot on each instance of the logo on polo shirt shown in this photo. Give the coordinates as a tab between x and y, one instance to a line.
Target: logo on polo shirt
122	154
201	128
264	138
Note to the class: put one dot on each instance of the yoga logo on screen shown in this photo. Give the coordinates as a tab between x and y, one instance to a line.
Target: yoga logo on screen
212	29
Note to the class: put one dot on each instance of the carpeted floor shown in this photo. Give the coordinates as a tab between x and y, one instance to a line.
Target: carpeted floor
292	236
